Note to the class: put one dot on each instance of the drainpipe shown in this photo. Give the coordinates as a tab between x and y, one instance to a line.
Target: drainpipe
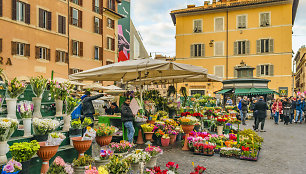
68	17
227	44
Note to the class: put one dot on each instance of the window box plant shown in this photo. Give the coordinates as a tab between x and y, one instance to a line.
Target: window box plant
104	134
38	85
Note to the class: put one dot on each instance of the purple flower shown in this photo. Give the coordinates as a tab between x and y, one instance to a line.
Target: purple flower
9	168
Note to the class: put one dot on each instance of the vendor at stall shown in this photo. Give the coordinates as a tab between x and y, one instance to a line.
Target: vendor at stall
88	109
127	118
112	109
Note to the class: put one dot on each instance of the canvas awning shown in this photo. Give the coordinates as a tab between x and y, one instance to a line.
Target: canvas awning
254	91
223	91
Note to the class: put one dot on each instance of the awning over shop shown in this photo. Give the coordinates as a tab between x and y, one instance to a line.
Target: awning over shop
254	91
223	91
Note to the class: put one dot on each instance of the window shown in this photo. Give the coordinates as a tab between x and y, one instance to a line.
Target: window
74	70
42	53
265	45
61	24
75	17
44	19
197	26
265	70
111	4
241	47
20	49
265	19
20	11
241	21
98	53
98	25
1	10
197	91
110	43
110	23
219	24
62	56
78	2
197	50
219	70
77	48
96	6
219	48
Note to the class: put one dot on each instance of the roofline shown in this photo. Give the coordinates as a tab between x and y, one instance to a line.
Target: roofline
295	6
114	13
232	5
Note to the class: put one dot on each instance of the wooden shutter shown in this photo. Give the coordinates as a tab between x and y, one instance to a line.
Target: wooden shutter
101	6
258	70
27	50
1	8
70	71
80	49
70	16
66	57
202	50
262	19
93	5
192	50
113	23
80	19
113	44
57	55
108	43
14	8
113	5
80	2
95	25
100	54
41	18
100	26
49	14
235	48
72	48
247	47
0	45
243	20
267	18
60	24
37	51
64	24
27	13
271	45
258	46
48	54
14	48
271	70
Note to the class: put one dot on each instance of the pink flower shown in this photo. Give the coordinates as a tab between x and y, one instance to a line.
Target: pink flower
9	168
59	161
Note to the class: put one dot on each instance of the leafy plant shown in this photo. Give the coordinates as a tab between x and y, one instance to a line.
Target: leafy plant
104	130
86	122
38	85
76	124
15	88
24	151
72	103
118	165
60	90
85	160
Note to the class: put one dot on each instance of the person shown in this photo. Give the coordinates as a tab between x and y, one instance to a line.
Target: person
271	115
304	107
252	108
229	102
277	108
127	118
281	114
239	107
299	106
261	108
293	108
112	109
244	109
88	109
287	105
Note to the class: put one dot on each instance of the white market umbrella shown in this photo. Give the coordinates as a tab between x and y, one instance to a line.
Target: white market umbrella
62	80
113	87
95	86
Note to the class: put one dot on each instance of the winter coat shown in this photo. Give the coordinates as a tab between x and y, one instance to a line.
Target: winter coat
287	107
244	105
299	104
87	106
260	109
293	105
126	113
280	107
239	105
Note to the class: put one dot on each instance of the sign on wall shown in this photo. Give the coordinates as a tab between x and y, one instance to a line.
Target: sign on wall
124	31
283	91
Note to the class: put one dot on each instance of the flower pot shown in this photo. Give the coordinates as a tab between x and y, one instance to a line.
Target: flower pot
27	125
220	130
158	141
152	163
67	119
59	107
165	141
103	140
197	151
149	136
139	138
11	104
151	121
75	131
172	139
226	131
37	106
187	129
40	138
210	152
4	148
46	153
79	170
81	145
25	167
99	162
135	167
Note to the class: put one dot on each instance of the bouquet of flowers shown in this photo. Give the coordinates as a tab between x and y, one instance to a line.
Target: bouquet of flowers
159	133
91	170
86	122
44	126
221	121
187	120
60	90
228	125
121	147
76	124
25	108
12	167
59	166
198	170
72	103
198	115
147	127
7	128
172	167
55	139
138	156
14	88
89	134
38	85
184	114
104	130
154	150
105	154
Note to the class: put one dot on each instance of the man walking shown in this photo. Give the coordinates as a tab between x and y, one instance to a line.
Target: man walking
261	112
244	109
127	118
299	106
87	106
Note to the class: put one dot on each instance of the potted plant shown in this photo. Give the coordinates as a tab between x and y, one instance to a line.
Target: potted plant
117	165
71	104
165	140
38	85
137	157
25	109
23	152
80	163
7	128
187	124
148	131
91	170
121	148
82	144
14	89
86	122
12	167
45	153
199	170
227	128
172	166
60	167
76	127
59	91
42	127
198	147
159	133
208	149
154	151
172	134
104	157
220	124
104	134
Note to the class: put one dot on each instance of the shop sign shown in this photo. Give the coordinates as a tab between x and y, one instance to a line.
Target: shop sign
8	61
283	91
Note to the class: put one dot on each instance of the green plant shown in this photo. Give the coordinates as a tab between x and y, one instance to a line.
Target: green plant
24	151
104	130
85	160
86	122
14	88
38	85
76	124
117	165
72	103
183	91
60	91
147	127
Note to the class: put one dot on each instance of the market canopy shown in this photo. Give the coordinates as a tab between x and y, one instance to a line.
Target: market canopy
133	70
254	91
62	80
95	86
223	91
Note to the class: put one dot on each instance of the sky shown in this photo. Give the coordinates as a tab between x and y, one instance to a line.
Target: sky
152	20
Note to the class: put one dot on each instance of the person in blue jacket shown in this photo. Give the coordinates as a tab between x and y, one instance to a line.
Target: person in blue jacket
76	114
299	112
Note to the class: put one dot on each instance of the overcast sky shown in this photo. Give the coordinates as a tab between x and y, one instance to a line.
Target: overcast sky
153	21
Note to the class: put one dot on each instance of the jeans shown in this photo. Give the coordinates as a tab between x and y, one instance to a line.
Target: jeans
292	117
130	130
299	112
243	116
276	115
262	121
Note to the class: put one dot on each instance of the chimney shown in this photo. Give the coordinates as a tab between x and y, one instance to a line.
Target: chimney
190	6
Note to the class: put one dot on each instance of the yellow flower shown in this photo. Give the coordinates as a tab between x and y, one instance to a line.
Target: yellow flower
193	164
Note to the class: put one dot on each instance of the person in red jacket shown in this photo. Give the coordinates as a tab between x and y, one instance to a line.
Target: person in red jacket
277	108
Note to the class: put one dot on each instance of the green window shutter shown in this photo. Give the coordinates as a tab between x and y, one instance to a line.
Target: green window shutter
258	46
235	48
271	70
192	50
202	50
271	45
258	70
247	47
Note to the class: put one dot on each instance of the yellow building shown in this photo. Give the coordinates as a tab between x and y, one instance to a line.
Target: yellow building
220	35
300	80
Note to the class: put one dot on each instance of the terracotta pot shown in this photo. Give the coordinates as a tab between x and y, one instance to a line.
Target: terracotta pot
187	129
165	141
172	139
151	121
103	140
210	152
46	153
81	146
139	138
149	136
